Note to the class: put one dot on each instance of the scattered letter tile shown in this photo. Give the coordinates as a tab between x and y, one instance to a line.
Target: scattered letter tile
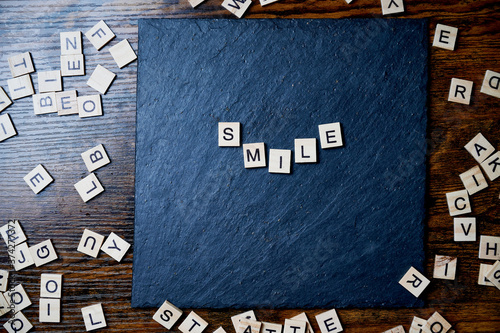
229	134
4	305
123	53
294	326
483	270
220	330
267	2
249	326
193	324
303	316
195	3
20	87
417	325
237	7
4	280
479	148
12	233
436	323
458	202
329	322
71	42
414	281
491	166
445	267
491	84
89	106
445	37
99	35
330	135
18	324
474	180
38	179
22	257
90	243
101	79
50	285
398	329
18	298
89	187
280	160
493	275
236	319
464	229
4	100
489	248
305	150
7	129
167	315
21	64
93	316
50	310
460	91
271	328
72	65
115	247
95	158
43	253
49	81
254	155
45	103
392	6
66	102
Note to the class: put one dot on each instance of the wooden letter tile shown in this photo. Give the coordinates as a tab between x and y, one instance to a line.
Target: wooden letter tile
280	160
491	84
49	81
21	64
445	267
491	166
115	247
445	37
414	281
417	325
303	316
4	100
12	233
43	253
101	79
93	317
254	155
123	53
220	330
267	2
294	326
50	285
489	248
67	103
72	65
305	150
22	257
95	158
330	135
4	280
436	324
18	324
38	179
89	187
4	305
71	42
18	298
473	180
50	310
236	319
479	148
329	322
167	315
90	243
229	134
493	275
193	324
237	7
195	3
89	106
44	103
99	35
249	326
398	329
271	328
392	7
483	270
20	87
460	91
7	129
464	229
458	202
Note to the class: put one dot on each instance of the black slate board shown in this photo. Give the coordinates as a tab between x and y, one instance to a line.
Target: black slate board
339	233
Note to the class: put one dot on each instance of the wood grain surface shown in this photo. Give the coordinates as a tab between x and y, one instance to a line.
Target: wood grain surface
59	214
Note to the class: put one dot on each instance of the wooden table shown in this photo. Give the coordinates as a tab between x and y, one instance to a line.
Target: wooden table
59	214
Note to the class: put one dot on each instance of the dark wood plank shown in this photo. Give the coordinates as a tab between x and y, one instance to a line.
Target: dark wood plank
59	214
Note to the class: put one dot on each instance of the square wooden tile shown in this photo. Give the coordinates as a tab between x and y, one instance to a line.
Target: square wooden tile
43	253
50	310
491	84
95	158
445	37
38	179
436	323
89	187
21	64
474	180
489	247
17	321
392	7
12	233
236	319
89	106
445	267
99	35
458	202
20	86
18	298
44	103
23	258
49	81
329	322
123	53
280	161
254	155
71	42
7	129
50	285
229	134
491	166
479	148
414	281
67	103
72	65
167	315
93	317
193	324
115	247
90	243
237	7
4	100
460	91
101	79
330	135
464	229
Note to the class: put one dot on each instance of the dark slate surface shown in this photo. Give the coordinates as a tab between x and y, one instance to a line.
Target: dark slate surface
340	233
